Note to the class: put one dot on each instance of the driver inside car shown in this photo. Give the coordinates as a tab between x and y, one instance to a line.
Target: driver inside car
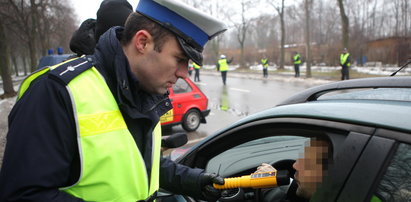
309	173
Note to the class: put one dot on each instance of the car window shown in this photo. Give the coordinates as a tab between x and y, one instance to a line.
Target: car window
181	86
251	154
396	182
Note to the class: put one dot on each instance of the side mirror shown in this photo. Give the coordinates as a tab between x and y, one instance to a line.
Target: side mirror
174	140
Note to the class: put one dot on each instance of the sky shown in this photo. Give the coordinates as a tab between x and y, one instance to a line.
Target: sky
88	8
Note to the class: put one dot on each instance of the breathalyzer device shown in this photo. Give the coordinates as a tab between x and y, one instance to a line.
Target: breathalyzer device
256	180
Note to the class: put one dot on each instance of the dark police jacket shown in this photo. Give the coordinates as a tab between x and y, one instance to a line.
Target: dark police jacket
41	154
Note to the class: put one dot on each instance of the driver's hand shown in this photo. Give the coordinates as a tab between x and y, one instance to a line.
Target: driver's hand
208	192
265	167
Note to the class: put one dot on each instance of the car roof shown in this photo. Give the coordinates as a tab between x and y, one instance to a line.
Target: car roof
387	107
375	113
314	93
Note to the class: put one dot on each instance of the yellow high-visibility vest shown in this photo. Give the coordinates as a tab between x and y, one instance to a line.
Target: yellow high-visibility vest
112	167
264	61
297	59
343	59
223	65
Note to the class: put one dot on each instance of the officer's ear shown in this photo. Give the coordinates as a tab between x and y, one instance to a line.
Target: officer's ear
142	41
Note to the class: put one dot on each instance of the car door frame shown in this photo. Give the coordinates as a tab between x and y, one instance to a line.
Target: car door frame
346	156
372	164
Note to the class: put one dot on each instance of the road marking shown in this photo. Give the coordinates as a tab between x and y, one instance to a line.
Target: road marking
241	90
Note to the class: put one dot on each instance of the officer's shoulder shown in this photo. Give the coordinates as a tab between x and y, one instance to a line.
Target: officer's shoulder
67	71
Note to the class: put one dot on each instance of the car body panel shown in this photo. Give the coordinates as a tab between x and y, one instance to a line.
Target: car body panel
367	132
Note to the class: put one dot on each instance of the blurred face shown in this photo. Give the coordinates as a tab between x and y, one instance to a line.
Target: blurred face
309	170
159	70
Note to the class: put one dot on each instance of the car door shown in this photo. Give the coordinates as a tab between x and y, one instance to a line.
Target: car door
241	149
383	171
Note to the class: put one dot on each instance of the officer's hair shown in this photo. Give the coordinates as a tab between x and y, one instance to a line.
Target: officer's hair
136	22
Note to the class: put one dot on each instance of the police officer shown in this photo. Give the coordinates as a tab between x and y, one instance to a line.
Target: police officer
222	66
110	13
197	72
297	62
264	62
88	129
345	64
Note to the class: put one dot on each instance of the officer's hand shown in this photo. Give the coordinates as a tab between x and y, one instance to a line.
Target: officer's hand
208	192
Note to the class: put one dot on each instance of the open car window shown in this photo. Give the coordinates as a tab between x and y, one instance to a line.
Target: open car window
249	155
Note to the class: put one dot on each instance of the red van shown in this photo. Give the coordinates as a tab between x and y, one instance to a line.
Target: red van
190	106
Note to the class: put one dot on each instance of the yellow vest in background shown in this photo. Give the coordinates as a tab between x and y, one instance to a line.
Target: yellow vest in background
223	65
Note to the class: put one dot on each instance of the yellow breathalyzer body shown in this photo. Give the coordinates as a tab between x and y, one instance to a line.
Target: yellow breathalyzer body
256	180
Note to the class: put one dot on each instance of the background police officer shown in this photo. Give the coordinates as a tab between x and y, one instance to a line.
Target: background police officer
297	62
88	129
197	72
264	62
345	64
222	66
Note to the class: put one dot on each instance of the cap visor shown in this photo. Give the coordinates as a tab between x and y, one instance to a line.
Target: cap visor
192	53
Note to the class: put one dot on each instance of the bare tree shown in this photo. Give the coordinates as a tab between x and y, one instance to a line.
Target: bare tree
344	24
32	26
242	27
308	6
5	65
280	10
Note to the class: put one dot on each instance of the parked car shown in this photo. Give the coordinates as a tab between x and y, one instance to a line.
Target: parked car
190	106
368	125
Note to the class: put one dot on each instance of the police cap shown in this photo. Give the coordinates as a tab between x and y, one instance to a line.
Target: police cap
193	28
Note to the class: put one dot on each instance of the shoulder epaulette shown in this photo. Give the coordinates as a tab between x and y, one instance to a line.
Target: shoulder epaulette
69	70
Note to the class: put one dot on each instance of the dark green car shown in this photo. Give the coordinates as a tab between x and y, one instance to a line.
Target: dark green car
367	122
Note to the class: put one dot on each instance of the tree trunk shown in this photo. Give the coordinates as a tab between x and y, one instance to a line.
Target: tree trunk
14	61
282	51
345	24
25	65
307	38
5	65
33	36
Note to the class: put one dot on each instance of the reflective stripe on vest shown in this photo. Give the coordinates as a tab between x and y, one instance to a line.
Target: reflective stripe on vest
297	59
112	168
196	66
223	65
343	59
